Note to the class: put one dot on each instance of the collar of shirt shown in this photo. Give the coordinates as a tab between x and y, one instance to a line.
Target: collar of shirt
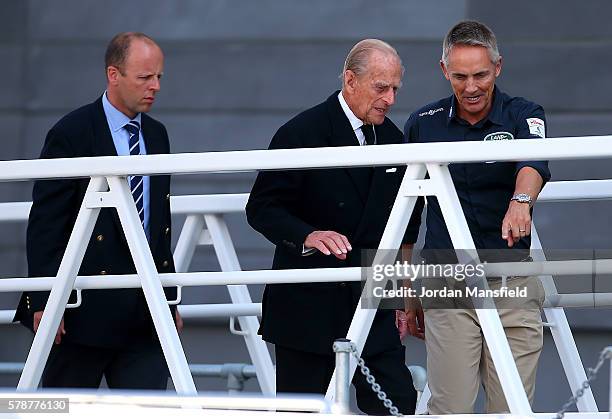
116	119
355	122
495	114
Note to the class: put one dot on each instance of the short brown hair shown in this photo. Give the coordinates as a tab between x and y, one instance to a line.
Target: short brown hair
118	48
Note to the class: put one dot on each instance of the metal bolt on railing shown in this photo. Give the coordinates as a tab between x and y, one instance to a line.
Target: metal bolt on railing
342	348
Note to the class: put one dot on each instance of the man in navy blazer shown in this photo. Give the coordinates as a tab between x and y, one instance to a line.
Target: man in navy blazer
324	219
111	333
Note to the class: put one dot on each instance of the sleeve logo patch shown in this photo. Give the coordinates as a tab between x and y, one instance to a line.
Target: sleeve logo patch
499	136
536	127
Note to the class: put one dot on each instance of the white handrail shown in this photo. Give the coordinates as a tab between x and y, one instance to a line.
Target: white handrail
208	204
307	158
14	211
294	276
576	190
183	204
557	191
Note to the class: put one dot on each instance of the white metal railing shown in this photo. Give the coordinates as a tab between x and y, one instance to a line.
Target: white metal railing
109	172
568	148
207	212
560	191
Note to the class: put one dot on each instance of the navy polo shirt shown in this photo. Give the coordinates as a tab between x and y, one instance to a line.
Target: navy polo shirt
484	189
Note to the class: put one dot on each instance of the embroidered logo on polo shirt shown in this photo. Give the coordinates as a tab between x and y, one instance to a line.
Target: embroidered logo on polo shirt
536	127
499	136
431	112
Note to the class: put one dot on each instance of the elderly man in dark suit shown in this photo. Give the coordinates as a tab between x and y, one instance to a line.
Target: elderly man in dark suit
111	333
324	219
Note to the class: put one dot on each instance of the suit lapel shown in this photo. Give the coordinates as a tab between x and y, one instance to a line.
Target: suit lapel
154	145
343	135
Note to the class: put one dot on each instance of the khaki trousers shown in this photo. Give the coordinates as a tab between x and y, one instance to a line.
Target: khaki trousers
458	359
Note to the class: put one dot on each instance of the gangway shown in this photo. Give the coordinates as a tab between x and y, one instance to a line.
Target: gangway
109	189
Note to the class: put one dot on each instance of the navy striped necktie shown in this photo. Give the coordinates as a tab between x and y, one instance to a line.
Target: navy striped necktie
136	182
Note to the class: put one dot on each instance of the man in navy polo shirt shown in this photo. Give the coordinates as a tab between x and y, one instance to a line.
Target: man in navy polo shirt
497	200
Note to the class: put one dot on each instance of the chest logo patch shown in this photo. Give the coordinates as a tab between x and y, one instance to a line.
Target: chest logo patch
499	136
431	112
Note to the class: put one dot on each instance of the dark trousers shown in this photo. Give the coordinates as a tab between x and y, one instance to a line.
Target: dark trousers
304	372
136	366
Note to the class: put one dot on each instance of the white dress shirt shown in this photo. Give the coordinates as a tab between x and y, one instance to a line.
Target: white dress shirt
356	123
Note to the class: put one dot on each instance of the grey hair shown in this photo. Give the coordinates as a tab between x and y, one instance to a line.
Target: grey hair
472	33
359	56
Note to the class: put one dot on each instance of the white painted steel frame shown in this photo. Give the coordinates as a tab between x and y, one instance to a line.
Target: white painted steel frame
193	229
228	260
440	184
568	148
563	337
120	197
218	235
187	311
195	205
60	293
391	239
586	147
286	276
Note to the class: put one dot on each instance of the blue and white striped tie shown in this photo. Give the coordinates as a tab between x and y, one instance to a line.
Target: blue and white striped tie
136	182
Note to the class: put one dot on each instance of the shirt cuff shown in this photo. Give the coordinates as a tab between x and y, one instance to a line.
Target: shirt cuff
307	251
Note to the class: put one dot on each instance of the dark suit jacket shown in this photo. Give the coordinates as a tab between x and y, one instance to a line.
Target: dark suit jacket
286	206
106	318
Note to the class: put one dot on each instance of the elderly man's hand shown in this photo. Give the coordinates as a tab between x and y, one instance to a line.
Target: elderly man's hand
516	223
329	242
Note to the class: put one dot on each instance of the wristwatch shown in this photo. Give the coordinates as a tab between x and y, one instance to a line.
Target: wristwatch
523	198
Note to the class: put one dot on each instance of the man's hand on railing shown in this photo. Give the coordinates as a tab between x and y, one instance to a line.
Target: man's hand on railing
60	330
329	242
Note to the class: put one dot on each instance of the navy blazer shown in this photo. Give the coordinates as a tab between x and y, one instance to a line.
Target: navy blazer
286	206
109	317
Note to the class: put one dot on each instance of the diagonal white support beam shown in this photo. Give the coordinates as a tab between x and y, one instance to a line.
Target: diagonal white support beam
563	337
489	319
60	293
228	260
151	286
188	241
391	239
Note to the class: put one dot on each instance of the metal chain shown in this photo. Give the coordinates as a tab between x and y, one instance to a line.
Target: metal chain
591	376
382	396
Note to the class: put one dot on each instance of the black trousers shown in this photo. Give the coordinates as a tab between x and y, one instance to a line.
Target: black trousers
136	366
304	372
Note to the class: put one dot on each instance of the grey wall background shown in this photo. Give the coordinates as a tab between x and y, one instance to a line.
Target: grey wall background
236	70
